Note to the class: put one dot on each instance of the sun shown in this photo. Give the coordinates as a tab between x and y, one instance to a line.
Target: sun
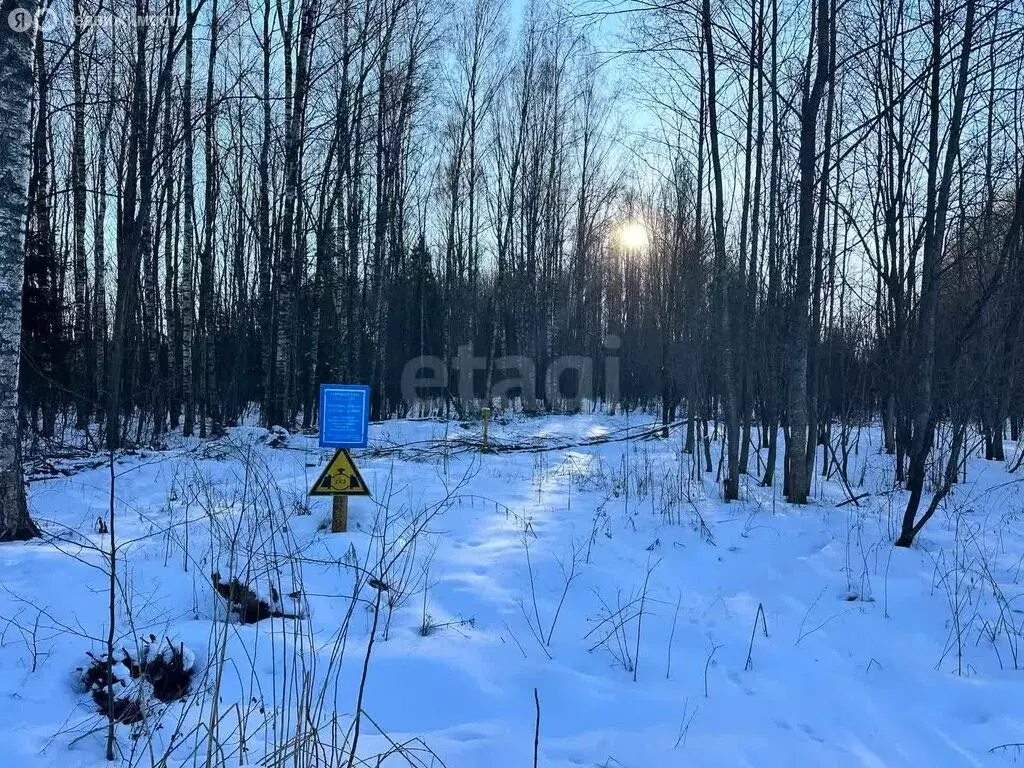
634	236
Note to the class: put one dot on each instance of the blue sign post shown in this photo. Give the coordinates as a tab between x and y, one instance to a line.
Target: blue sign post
344	415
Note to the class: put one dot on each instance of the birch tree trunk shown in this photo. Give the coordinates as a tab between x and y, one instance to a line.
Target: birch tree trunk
15	95
99	293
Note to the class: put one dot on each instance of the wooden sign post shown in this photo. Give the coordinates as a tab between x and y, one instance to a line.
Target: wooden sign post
339	515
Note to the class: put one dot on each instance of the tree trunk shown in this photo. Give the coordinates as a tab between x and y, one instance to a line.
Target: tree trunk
934	242
15	97
99	291
724	336
172	231
209	400
188	247
798	415
265	319
78	191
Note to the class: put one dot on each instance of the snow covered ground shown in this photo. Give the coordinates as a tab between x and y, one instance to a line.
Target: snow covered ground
657	625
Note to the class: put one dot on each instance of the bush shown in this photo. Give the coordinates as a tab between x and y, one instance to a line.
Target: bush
163	671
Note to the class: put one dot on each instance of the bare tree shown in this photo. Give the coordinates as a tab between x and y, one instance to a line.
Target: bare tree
939	185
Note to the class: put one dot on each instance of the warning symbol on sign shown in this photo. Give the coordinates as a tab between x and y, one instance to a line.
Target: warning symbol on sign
340	478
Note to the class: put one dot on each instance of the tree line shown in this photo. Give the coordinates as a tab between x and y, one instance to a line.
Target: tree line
226	204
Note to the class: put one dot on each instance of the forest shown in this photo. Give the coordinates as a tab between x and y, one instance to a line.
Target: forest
786	219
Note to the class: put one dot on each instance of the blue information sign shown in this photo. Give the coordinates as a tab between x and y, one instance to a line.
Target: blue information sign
344	415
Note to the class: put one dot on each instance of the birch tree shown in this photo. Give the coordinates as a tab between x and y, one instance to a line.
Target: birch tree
15	98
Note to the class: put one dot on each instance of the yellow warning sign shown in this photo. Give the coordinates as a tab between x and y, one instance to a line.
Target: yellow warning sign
340	478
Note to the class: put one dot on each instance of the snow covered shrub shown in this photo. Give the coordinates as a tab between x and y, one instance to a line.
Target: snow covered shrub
116	693
278	437
163	671
168	668
248	606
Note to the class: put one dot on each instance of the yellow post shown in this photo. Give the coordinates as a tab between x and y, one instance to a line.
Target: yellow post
486	413
339	515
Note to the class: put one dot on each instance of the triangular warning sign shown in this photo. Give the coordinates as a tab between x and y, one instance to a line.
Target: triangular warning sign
340	478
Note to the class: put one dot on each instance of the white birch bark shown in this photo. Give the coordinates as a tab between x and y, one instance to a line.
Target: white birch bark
15	97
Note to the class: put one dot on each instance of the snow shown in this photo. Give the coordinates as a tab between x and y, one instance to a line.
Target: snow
658	625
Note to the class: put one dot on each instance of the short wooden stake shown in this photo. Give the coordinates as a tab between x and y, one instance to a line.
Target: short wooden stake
486	413
339	514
